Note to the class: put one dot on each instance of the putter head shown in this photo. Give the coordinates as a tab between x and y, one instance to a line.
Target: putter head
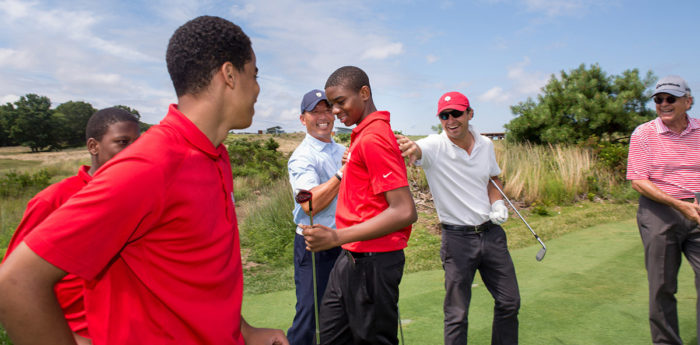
302	196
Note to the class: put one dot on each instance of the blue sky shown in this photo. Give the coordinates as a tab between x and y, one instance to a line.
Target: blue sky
497	52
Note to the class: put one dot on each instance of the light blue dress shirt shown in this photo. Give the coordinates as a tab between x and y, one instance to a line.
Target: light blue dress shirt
312	163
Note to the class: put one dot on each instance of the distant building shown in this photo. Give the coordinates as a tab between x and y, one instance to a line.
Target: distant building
494	136
274	130
343	130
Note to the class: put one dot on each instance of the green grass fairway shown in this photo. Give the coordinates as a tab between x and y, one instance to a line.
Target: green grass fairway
591	288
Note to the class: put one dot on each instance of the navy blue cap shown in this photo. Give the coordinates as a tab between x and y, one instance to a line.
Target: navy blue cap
311	98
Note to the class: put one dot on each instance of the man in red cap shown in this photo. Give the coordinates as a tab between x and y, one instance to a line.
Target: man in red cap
458	164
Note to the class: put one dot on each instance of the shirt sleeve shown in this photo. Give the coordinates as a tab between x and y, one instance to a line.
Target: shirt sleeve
302	174
637	163
384	163
87	232
37	211
426	151
494	169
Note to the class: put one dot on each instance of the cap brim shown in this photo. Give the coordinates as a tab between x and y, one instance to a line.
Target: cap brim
452	106
313	104
670	92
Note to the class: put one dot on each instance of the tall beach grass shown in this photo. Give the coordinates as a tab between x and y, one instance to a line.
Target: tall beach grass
558	174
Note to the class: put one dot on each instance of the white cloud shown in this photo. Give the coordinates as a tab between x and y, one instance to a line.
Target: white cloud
242	11
526	83
555	8
495	94
383	51
8	99
15	58
430	58
15	9
523	83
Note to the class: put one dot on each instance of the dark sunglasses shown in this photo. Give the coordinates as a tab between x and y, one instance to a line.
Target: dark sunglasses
669	99
446	114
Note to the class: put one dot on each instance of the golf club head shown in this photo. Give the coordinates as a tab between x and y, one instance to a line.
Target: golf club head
302	196
540	254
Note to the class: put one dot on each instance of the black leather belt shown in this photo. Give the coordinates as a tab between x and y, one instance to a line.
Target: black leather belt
357	255
468	228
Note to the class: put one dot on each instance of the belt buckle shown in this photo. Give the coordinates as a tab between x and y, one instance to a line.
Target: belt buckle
479	228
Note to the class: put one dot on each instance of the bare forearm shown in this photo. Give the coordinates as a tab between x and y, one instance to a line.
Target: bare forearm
323	195
400	214
651	191
493	193
29	310
409	149
259	336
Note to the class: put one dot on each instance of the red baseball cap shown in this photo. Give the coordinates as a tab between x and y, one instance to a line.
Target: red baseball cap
453	100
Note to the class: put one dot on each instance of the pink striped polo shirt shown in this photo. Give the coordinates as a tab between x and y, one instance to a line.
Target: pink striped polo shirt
669	160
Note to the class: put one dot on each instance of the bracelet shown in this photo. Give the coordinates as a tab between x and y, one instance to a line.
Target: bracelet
340	178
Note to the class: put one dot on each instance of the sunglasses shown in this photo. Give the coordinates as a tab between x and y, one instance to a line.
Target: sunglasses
446	114
669	99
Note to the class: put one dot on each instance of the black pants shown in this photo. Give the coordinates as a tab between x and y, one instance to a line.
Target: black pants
360	305
666	234
303	328
462	254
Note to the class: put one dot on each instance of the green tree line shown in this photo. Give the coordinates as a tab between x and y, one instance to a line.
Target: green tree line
32	122
581	104
588	108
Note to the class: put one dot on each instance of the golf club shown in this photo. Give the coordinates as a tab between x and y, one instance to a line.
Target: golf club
301	197
543	251
398	312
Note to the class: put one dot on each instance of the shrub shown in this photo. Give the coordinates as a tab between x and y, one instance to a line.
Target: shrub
342	138
14	184
257	158
613	156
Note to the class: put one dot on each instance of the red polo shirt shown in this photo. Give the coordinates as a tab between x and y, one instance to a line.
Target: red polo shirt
374	166
69	291
155	235
669	160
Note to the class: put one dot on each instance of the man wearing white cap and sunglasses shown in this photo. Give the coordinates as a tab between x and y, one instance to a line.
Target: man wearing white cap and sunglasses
458	164
664	167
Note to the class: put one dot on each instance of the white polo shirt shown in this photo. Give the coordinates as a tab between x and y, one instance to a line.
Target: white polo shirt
457	179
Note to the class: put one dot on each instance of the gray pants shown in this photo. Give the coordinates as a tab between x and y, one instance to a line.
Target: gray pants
462	253
666	233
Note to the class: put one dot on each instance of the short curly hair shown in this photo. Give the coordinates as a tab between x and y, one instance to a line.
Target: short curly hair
99	122
201	46
351	77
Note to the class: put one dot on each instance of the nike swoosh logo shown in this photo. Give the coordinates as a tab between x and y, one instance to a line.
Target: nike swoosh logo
387	175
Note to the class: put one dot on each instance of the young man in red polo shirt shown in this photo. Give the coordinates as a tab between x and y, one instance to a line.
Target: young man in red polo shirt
155	231
374	216
108	132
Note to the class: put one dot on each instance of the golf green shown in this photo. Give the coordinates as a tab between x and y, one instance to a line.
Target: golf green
590	288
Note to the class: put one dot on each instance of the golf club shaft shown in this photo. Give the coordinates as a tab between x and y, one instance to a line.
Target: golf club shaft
313	274
398	312
516	211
